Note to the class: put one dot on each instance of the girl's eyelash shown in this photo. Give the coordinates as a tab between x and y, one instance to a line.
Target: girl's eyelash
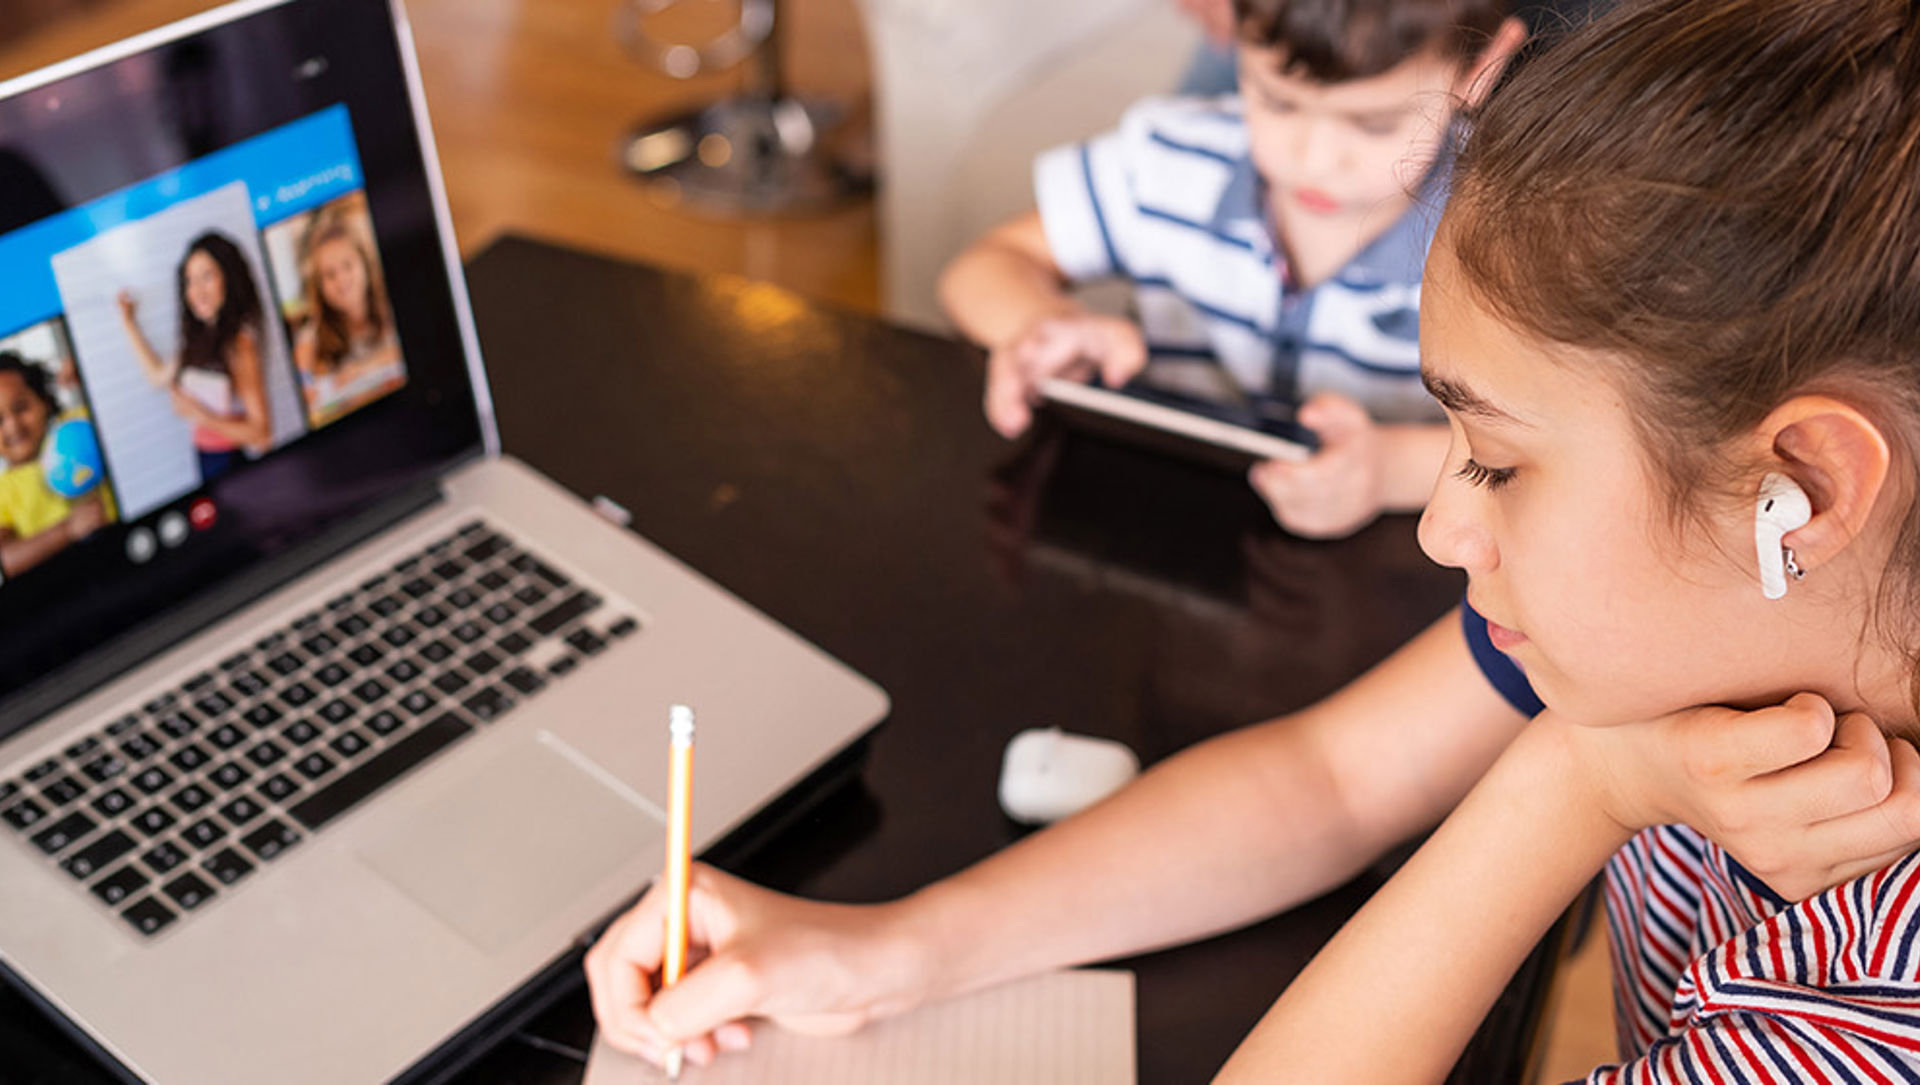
1478	474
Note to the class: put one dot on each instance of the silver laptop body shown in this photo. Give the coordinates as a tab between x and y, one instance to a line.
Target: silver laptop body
505	820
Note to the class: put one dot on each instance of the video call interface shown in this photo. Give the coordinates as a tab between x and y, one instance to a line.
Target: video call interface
175	331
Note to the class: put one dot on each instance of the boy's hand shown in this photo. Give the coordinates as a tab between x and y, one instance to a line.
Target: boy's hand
1337	492
1072	347
1803	800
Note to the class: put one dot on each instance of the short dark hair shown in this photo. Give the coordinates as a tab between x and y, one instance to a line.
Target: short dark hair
1333	41
33	376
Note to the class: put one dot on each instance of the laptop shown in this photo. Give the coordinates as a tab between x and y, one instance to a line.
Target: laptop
324	726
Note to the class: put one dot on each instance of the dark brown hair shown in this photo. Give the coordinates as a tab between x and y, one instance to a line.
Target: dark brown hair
1724	195
204	343
1333	41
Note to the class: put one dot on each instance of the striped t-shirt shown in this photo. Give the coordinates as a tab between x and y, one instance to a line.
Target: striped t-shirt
1170	200
1718	980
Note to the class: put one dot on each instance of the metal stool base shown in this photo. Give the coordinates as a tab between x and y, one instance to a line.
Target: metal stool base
745	155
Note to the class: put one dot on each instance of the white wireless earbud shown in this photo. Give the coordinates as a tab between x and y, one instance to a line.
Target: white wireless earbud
1781	507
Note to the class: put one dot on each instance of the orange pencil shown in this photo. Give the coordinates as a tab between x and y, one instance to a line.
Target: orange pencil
679	853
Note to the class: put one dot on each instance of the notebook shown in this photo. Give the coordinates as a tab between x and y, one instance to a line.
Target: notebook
325	727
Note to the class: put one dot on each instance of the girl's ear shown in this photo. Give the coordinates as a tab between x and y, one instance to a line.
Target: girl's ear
1479	78
1841	459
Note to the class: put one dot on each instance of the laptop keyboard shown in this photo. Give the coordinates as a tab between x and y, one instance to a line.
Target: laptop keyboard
161	811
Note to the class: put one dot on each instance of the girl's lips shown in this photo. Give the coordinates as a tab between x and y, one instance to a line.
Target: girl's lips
1503	638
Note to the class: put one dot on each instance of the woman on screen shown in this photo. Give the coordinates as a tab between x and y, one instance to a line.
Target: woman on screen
216	378
347	350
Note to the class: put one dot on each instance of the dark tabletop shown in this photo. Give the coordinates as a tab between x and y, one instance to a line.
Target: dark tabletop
835	471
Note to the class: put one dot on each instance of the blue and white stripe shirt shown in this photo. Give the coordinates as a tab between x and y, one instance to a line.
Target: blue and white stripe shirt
1171	201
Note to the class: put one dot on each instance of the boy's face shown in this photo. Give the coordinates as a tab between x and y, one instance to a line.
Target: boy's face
1337	151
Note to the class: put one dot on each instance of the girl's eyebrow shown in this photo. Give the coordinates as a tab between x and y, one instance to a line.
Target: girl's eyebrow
1457	397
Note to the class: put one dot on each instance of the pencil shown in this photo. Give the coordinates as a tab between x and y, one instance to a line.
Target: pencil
679	854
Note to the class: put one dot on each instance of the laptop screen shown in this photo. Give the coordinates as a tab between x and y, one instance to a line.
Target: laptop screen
226	323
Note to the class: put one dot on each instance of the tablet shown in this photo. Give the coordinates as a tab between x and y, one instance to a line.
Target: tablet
1230	435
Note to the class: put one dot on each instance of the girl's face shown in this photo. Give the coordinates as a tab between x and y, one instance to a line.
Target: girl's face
1616	611
23	420
206	286
343	278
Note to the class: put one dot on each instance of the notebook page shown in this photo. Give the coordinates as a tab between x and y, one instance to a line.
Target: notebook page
1063	1028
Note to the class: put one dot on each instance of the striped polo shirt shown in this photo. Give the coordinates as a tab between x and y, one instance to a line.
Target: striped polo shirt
1170	200
1717	980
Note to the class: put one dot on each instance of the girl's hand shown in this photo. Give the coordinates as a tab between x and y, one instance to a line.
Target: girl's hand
128	306
1803	800
188	407
806	966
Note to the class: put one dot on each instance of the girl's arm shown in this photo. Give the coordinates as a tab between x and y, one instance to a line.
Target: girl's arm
1396	995
254	427
160	371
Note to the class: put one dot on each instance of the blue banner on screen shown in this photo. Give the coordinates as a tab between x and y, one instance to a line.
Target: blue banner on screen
291	169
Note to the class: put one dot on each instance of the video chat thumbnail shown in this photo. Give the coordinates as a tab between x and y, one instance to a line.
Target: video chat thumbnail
172	331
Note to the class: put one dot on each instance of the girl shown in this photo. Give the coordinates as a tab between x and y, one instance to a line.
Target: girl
1681	265
347	350
35	522
215	380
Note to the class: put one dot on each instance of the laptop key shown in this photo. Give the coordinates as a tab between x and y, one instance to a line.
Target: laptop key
99	855
383	723
494	580
57	837
332	674
204	833
214	704
189	891
462	598
530	594
351	626
437	651
250	683
24	815
152	779
198	682
242	810
104	768
278	787
164	857
482	662
63	791
418	587
386	606
226	736
82	748
430	616
514	643
314	765
399	636
266	753
230	775
450	682
297	694
403	670
8	789
148	916
366	655
188	758
120	885
379	770
264	715
564	612
129	721
622	627
139	747
370	690
524	679
488	704
191	797
178	724
284	664
112	803
236	661
269	840
419	701
227	866
337	711
319	644
350	744
153	821
563	665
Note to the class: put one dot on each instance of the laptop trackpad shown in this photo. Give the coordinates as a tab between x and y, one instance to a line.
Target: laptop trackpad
521	839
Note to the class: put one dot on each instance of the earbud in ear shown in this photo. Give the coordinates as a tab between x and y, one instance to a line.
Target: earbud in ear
1781	507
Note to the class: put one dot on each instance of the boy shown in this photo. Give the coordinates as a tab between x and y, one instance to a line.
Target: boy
1274	240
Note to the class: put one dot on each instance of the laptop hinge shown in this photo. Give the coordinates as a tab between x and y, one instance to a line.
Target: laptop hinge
101	665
